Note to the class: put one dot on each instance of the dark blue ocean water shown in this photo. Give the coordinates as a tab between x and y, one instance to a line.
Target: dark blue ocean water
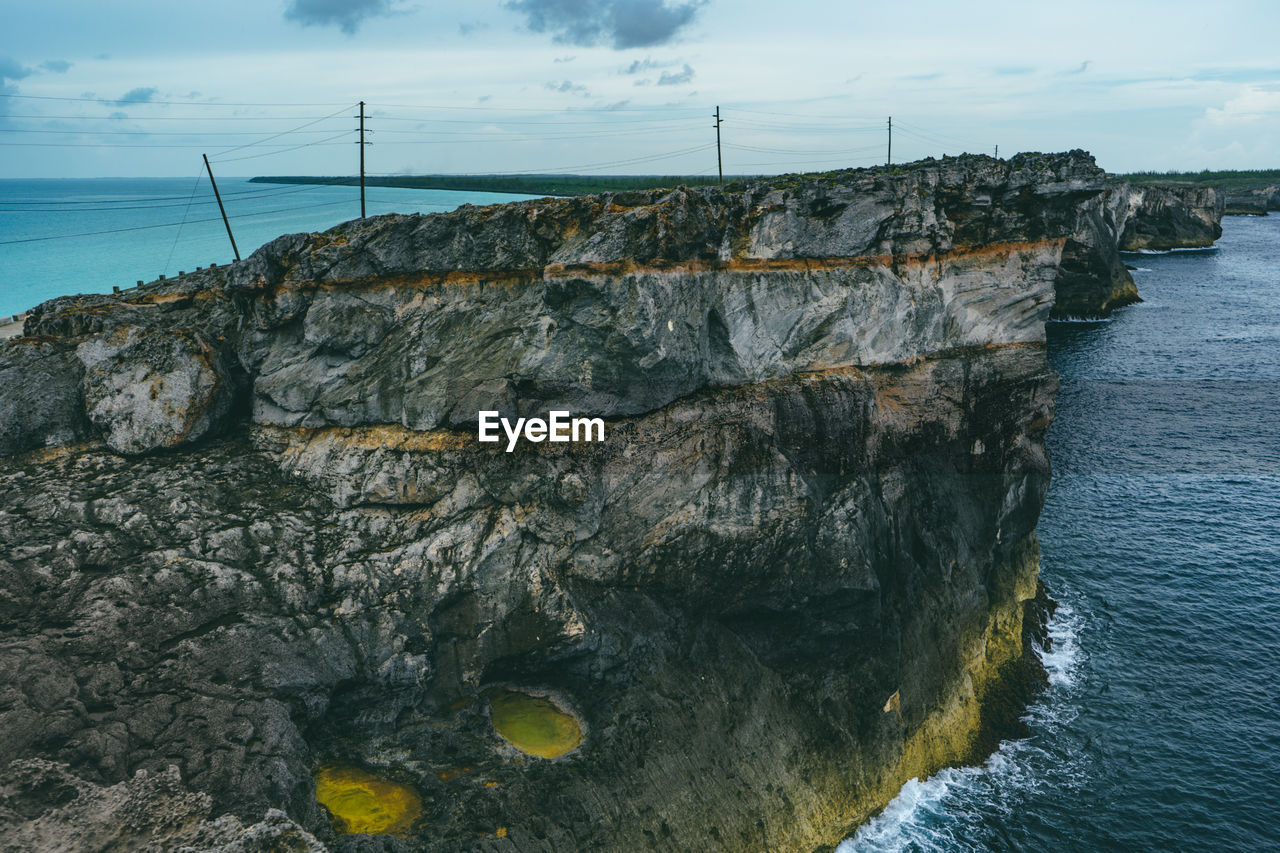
88	235
1161	535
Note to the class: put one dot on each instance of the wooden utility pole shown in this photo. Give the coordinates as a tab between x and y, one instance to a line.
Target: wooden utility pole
221	209
888	160
362	159
719	162
997	152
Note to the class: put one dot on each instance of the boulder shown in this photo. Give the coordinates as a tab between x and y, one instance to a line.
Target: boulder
148	389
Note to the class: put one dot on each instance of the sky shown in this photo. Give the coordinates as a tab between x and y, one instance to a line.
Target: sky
271	87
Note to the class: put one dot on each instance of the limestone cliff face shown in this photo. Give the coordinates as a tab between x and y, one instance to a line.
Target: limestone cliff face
1251	202
1092	279
250	529
1166	216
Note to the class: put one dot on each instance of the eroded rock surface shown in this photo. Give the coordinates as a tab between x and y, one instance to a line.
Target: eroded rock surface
1251	202
729	589
147	389
45	807
799	571
42	403
1160	217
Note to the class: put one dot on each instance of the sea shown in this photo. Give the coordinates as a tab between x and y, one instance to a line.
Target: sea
60	237
1160	728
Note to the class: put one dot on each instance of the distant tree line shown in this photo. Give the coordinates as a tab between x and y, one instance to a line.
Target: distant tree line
1226	179
560	185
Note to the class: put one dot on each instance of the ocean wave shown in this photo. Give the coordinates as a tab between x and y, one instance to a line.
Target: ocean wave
939	813
1193	250
1076	319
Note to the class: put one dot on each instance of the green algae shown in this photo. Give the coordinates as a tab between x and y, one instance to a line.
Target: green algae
361	802
533	724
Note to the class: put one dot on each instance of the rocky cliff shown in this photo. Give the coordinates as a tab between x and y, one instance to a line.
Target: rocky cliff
250	533
1093	280
1251	202
1161	217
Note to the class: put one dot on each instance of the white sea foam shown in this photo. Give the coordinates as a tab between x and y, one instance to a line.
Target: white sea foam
935	814
1194	250
1062	657
903	825
1075	319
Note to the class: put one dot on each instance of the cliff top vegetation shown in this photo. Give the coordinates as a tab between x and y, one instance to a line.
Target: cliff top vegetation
1228	179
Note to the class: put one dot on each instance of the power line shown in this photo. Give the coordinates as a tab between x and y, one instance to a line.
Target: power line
556	123
268	191
326	141
793	115
115	145
833	151
282	133
187	213
116	103
171	224
936	138
570	169
252	197
117	118
841	160
150	132
521	138
549	110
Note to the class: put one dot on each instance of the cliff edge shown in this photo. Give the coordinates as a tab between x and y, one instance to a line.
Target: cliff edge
253	534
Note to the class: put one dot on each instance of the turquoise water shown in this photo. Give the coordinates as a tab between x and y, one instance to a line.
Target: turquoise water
1161	726
86	236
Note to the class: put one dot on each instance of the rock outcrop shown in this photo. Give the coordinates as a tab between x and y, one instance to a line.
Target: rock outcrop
1160	217
1252	202
1092	280
46	807
800	570
42	403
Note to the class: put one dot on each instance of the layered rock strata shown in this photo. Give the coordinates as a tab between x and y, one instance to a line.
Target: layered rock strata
1252	202
255	533
1160	217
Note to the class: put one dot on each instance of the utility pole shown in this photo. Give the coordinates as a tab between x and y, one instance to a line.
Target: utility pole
221	209
997	152
362	159
719	162
888	160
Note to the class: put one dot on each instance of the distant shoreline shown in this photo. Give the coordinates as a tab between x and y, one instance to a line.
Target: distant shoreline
543	185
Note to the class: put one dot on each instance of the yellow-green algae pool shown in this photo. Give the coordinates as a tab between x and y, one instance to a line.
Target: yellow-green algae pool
362	802
533	724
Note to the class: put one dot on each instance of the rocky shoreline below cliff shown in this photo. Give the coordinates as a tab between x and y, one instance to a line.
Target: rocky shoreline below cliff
251	532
